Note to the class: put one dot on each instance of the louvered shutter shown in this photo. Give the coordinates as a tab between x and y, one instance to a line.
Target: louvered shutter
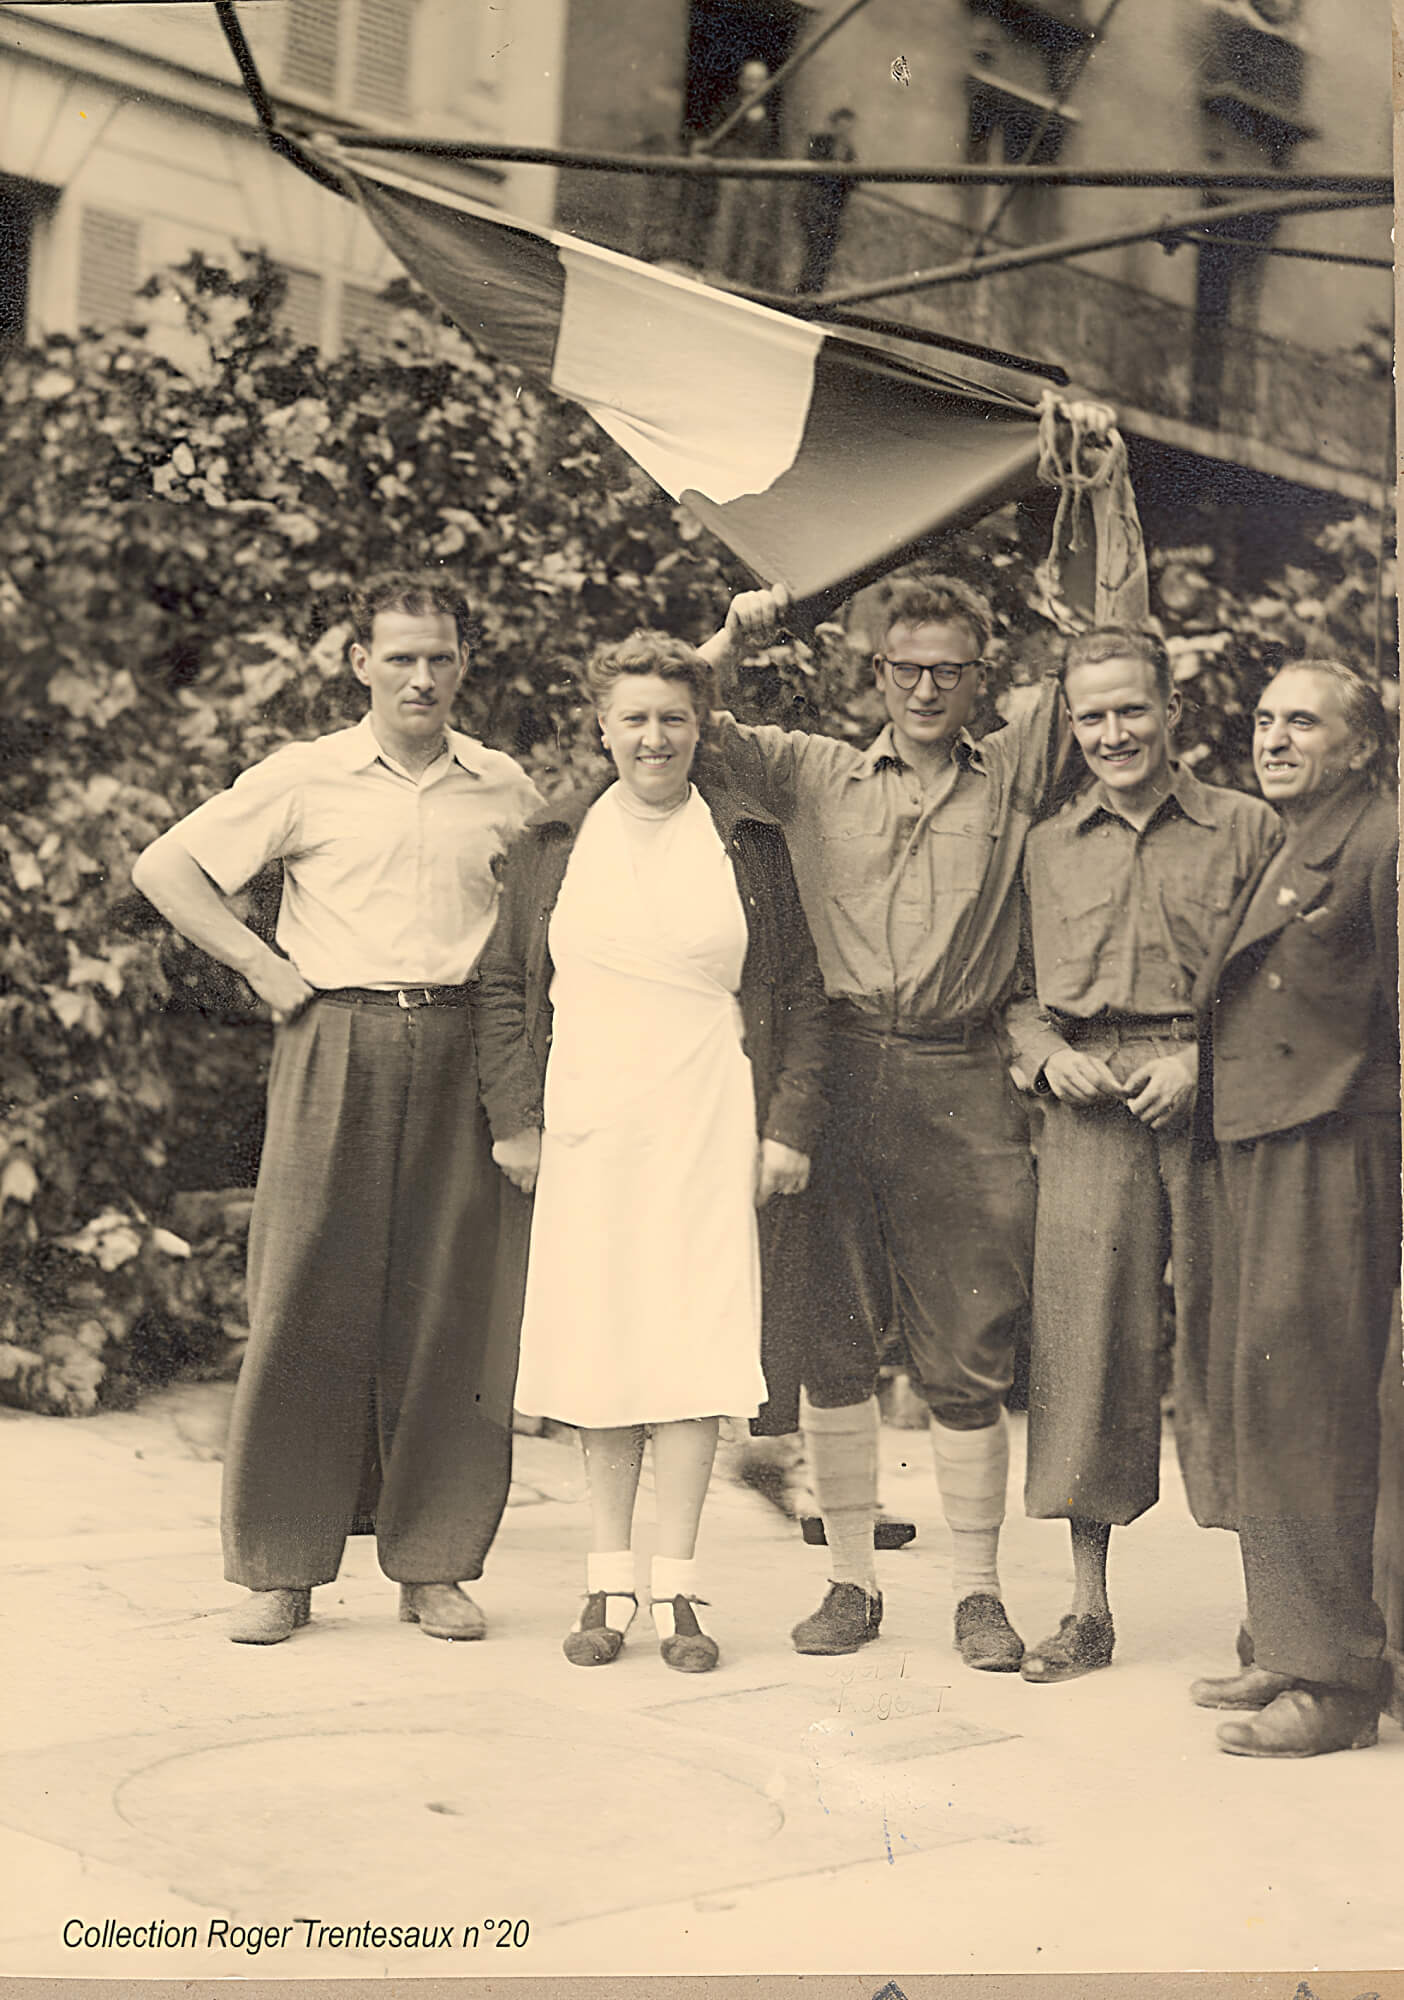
108	248
380	79
365	318
301	310
309	54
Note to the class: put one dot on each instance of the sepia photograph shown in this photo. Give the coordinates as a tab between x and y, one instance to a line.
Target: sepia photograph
699	997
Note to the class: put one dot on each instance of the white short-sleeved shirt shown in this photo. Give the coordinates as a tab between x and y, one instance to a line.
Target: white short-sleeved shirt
387	881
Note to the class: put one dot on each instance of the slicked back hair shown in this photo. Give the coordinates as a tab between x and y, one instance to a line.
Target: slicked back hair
1365	713
1119	642
418	593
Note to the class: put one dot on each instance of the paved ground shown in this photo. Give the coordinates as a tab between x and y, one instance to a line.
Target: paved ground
781	1814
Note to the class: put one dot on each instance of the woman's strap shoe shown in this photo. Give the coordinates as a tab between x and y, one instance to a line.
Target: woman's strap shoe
267	1617
1306	1722
593	1641
1080	1646
688	1649
441	1611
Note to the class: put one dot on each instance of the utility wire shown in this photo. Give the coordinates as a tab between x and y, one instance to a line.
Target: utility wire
1051	111
700	167
1168	230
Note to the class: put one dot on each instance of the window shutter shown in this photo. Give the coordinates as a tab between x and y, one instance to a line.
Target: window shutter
108	249
365	318
309	54
380	81
301	310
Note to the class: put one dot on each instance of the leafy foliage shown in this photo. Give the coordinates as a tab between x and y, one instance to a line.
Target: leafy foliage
180	517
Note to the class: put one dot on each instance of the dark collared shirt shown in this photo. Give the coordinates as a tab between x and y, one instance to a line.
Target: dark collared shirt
911	896
1120	920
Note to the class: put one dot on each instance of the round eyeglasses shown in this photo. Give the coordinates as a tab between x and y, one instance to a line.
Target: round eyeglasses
906	674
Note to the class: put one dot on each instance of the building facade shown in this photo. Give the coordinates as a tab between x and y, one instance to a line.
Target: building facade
1239	370
127	140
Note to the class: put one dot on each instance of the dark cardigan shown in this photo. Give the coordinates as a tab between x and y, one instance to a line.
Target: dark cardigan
781	995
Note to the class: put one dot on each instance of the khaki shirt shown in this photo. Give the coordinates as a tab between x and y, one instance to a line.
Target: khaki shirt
1120	921
911	897
387	880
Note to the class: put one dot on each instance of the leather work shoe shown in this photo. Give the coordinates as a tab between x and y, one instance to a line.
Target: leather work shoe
1079	1646
267	1617
847	1619
984	1637
441	1611
1255	1687
1306	1722
887	1533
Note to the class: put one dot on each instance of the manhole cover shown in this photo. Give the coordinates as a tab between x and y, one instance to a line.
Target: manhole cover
325	1814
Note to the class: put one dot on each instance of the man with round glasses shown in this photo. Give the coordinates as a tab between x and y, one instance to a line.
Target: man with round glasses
921	1201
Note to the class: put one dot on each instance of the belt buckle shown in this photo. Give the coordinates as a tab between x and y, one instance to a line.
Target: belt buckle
402	996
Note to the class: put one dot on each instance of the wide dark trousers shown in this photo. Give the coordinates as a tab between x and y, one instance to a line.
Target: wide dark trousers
375	1357
1115	1201
1301	1315
918	1217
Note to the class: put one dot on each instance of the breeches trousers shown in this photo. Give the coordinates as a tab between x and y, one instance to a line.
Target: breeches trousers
918	1218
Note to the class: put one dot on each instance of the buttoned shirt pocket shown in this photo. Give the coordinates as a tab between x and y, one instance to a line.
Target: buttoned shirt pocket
1089	933
857	861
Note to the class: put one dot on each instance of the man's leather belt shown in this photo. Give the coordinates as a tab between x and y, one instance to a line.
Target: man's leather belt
1125	1027
850	1020
407	997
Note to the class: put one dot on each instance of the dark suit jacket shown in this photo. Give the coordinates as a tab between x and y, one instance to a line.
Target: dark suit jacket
1299	1004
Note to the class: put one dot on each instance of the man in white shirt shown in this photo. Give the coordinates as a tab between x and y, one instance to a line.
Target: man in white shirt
371	1249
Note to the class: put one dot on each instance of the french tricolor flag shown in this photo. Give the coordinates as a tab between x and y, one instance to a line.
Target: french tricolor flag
821	459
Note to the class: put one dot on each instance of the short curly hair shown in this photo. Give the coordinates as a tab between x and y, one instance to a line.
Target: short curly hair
645	652
418	593
930	600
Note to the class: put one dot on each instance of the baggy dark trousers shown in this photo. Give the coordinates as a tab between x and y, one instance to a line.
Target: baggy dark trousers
371	1360
1299	1340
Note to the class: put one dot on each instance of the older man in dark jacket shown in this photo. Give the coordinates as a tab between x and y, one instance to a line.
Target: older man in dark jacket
1301	1012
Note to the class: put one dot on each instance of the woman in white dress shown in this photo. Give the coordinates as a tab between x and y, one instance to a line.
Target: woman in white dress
650	1044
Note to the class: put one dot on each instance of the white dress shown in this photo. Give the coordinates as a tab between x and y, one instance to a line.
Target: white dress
643	1287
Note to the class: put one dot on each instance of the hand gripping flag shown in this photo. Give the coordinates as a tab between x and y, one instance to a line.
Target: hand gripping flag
821	459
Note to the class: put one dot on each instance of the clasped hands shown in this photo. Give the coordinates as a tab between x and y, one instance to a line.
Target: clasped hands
1159	1093
779	1169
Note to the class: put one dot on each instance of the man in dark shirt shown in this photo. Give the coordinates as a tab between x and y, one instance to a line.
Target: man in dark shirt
822	201
1125	889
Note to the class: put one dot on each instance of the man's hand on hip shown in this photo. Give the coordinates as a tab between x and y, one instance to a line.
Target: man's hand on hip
280	985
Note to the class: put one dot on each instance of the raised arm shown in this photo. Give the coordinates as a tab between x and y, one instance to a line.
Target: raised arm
169	876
